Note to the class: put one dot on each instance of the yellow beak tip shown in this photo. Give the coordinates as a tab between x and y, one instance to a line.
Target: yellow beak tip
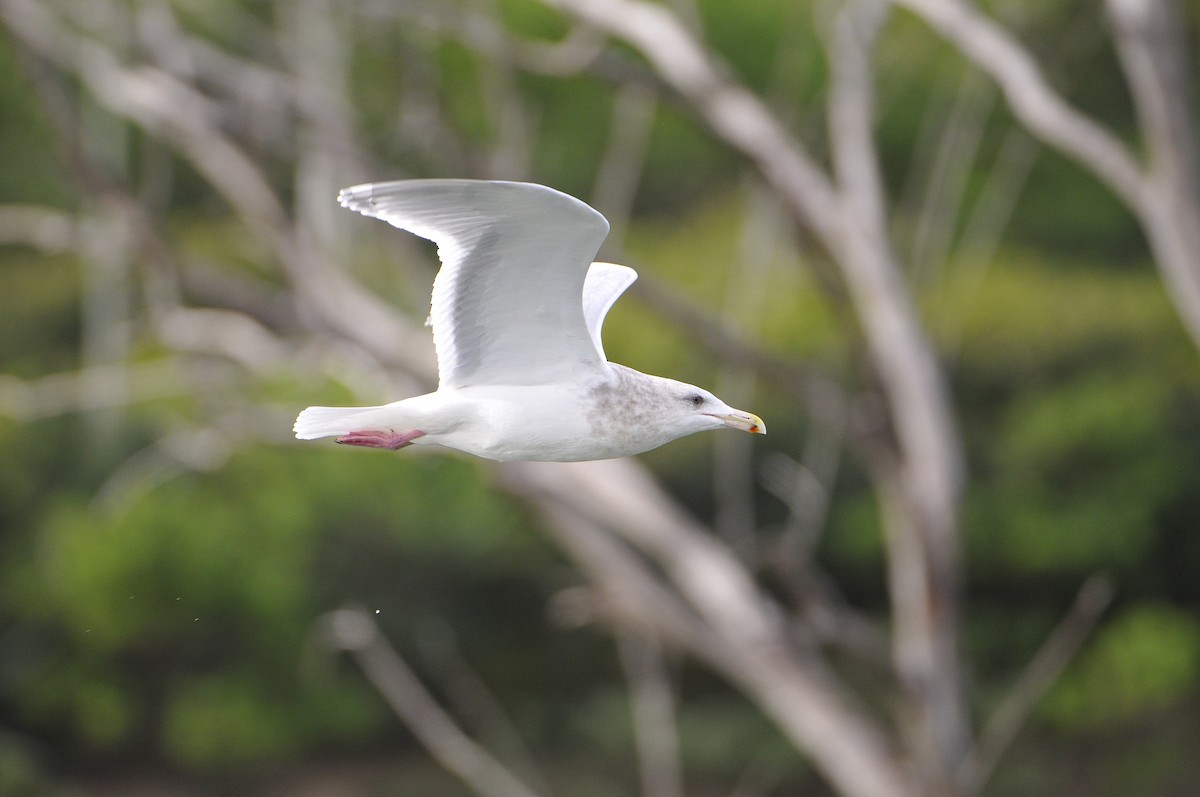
745	421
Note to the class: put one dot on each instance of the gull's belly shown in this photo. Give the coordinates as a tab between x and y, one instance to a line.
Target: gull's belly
542	423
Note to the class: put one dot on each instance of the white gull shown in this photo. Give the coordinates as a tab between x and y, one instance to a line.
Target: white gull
516	313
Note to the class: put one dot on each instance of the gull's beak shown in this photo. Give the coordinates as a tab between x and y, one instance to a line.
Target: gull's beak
746	421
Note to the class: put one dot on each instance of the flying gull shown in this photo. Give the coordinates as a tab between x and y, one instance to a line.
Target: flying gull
516	312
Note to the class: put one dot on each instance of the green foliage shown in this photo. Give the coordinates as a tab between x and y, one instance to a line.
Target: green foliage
683	162
1145	661
460	71
750	36
1075	216
34	173
853	544
1082	390
720	736
571	130
191	611
1108	436
532	19
231	719
38	314
697	255
20	772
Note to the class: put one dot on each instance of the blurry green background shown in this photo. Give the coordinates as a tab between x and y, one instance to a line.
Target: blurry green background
156	608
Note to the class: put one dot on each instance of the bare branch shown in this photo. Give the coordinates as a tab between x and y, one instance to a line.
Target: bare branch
628	593
921	507
105	386
180	450
820	394
624	157
762	233
983	228
168	108
354	631
1166	199
825	613
257	98
469	696
1031	98
1041	673
806	488
234	335
1150	38
327	145
744	636
652	703
736	114
942	171
45	229
1151	43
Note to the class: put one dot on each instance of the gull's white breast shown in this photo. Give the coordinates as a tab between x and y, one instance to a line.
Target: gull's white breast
551	422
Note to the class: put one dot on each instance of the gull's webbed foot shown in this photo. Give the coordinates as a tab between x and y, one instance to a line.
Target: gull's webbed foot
380	439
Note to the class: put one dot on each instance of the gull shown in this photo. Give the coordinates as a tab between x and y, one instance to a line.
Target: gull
516	312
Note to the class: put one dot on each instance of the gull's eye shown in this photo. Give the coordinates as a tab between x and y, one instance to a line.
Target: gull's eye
696	399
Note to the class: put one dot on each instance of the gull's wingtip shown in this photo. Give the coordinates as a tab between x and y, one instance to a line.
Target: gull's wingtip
354	196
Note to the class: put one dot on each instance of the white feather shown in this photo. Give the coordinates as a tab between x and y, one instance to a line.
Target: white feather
317	422
604	285
506	306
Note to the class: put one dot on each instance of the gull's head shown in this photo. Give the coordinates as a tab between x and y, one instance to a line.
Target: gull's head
634	412
694	409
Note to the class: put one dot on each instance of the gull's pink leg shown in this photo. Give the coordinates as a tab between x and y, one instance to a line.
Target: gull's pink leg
379	439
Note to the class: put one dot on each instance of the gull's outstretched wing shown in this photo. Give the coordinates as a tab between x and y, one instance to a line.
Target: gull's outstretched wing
506	305
604	285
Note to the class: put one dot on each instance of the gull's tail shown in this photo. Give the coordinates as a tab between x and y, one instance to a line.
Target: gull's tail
317	422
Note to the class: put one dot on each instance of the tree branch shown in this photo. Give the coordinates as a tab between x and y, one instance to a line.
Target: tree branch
1151	44
735	114
1031	98
921	505
652	705
1166	199
353	631
743	635
1042	672
45	229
